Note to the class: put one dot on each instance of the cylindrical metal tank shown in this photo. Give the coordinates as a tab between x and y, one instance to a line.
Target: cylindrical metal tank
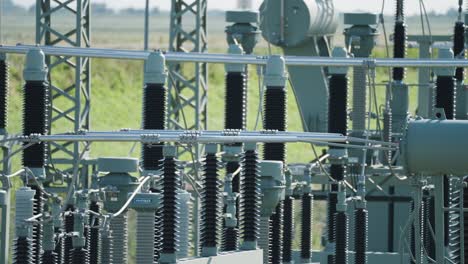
288	23
436	147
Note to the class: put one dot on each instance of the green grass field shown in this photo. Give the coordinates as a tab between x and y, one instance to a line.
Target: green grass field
117	86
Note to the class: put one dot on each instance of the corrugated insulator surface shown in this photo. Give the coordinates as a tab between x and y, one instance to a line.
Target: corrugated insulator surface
275	118
332	201
387	135
429	222
49	257
93	241
230	239
250	201
306	223
400	14
105	249
23	251
119	228
288	228
59	246
338	104
4	87
35	121
360	229
68	240
459	47
276	243
211	210
37	229
79	256
341	238
154	117
446	95
399	50
465	223
170	207
236	100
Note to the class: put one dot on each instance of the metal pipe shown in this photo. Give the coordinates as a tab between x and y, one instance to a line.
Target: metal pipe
199	136
237	59
146	33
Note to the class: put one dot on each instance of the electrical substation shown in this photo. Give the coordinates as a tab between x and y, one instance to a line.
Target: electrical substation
394	182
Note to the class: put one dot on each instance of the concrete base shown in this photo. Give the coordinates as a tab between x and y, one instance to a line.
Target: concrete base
372	257
236	257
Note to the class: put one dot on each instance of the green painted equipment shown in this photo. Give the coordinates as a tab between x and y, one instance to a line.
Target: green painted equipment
118	184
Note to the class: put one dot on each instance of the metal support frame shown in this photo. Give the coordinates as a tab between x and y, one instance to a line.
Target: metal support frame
176	57
70	102
188	86
426	91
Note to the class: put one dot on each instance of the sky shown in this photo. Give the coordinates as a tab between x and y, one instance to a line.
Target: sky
412	6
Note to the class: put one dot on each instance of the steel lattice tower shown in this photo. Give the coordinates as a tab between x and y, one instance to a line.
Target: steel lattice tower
70	103
189	82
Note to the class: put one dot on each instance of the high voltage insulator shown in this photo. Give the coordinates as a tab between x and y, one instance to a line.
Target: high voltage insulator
57	220
23	251
93	241
400	12
429	222
155	100
68	240
445	86
338	104
119	228
122	183
387	134
275	118
145	204
341	238
338	123
465	223
332	201
250	197
230	237
236	93
79	256
288	222
210	200
360	236
445	95
48	244
36	101
35	122
37	229
154	108
80	253
276	243
306	227
399	49
23	244
184	198
59	247
4	84
49	257
106	245
157	234
235	113
459	47
171	184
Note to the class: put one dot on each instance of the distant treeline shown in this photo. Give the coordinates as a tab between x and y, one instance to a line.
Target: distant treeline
101	8
97	8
